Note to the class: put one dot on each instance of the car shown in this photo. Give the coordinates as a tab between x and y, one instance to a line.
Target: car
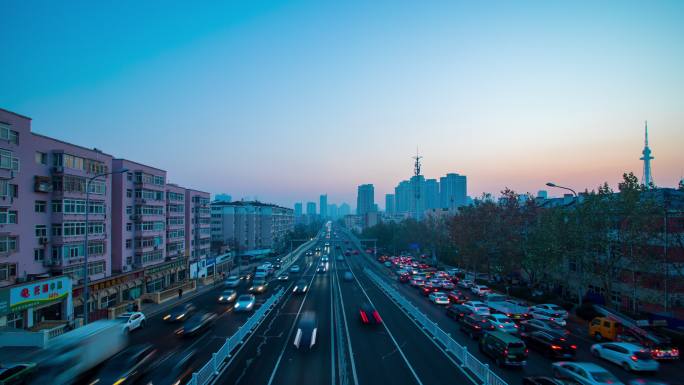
631	357
196	324
428	289
474	325
227	296
300	287
585	373
294	269
132	321
369	315
417	282
388	264
348	276
244	303
558	311
541	380
480	290
477	307
283	277
232	282
447	285
307	330
16	373
550	345
457	312
533	325
456	296
465	283
504	348
503	323
324	258
180	313
128	366
258	286
547	315
439	298
404	278
321	268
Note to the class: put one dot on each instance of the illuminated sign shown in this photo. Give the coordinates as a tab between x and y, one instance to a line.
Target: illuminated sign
40	292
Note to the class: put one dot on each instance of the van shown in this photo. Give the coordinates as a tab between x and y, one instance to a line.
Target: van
504	348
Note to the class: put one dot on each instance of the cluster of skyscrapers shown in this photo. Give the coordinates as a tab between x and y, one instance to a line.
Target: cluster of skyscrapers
324	210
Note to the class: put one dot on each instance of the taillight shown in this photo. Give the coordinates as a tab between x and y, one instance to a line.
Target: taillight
377	316
516	326
556	347
527	351
573	346
477	326
634	358
505	352
364	317
501	326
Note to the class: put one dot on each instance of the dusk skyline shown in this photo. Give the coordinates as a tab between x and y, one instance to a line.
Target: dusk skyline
287	101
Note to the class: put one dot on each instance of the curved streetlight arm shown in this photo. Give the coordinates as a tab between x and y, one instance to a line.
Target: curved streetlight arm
551	184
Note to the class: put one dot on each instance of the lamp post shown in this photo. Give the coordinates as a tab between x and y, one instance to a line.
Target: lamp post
551	184
85	251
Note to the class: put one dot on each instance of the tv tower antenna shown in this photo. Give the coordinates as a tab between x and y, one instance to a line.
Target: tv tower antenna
647	178
416	167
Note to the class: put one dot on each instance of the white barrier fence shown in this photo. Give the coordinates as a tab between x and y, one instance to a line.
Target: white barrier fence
467	360
207	372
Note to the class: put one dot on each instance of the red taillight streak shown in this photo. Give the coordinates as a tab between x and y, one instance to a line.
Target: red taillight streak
556	347
377	317
364	317
634	358
573	346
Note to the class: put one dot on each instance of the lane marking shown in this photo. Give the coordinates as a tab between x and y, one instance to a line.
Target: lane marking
346	327
332	328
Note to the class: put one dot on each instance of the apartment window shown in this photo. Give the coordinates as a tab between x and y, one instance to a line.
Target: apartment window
7	271
13	190
41	158
96	228
95	248
57	230
7	216
129	176
8	243
108	301
38	254
73	162
41	231
97	187
39	206
129	210
129	243
129	193
129	227
8	161
8	134
159	180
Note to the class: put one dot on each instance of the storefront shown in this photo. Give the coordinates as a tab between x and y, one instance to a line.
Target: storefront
165	275
27	305
109	293
224	264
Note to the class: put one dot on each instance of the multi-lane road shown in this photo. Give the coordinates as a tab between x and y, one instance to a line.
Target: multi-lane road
397	351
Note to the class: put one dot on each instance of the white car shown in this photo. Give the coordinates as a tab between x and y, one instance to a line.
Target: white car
502	323
233	281
465	283
294	269
132	321
283	277
439	298
245	302
585	373
477	307
480	290
558	311
546	315
630	357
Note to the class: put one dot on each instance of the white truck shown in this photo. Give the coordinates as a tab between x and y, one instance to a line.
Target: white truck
72	354
512	308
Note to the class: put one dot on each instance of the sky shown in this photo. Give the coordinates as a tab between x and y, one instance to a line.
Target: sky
283	101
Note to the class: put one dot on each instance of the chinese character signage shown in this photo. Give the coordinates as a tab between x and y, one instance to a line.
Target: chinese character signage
37	293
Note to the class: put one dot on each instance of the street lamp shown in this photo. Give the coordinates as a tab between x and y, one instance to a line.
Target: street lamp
551	184
85	251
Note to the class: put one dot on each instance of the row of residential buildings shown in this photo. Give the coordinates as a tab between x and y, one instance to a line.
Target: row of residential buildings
144	235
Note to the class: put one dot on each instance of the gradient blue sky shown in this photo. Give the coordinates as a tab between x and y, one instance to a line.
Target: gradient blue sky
287	100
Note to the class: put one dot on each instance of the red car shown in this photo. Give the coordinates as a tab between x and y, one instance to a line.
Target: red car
369	316
428	289
456	296
404	278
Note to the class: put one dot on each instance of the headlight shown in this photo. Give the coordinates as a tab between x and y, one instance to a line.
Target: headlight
221	298
249	306
181	316
237	305
167	317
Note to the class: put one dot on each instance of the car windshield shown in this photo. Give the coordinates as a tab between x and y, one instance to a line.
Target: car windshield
245	298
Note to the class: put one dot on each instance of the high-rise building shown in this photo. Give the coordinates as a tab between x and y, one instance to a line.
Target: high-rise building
402	197
332	211
198	228
175	221
431	194
389	203
298	209
417	197
453	191
311	209
343	210
365	199
323	206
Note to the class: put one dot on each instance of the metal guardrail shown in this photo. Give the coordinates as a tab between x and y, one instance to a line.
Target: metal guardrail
207	372
461	353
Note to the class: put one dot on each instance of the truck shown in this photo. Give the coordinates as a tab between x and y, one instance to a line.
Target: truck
510	307
74	353
613	326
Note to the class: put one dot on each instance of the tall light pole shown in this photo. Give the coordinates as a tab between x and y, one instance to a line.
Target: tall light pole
85	251
551	184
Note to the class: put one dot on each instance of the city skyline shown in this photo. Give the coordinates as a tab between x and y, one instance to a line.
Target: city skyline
508	101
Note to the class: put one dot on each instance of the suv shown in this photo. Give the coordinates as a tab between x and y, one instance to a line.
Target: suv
504	348
474	325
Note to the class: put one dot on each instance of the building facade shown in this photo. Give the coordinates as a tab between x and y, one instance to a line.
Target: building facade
453	191
323	206
365	199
